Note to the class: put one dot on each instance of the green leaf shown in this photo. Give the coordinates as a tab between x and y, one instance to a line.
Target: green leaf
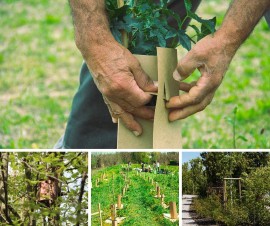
184	40
171	34
240	137
188	5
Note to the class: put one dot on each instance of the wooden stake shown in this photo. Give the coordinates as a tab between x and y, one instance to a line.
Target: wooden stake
113	212
119	204
158	191
240	192
162	199
173	211
152	181
96	183
124	190
124	35
114	223
224	192
100	217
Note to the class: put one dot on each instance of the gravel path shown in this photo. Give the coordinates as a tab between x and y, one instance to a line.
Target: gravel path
188	214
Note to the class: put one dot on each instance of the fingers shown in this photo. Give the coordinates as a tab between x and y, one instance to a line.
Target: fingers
127	118
186	66
186	86
114	118
197	93
142	79
145	113
131	124
194	96
191	109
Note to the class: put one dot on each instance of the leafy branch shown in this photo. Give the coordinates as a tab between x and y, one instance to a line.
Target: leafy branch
147	26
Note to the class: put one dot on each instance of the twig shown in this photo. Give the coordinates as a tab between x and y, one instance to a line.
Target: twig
71	160
13	211
84	177
47	175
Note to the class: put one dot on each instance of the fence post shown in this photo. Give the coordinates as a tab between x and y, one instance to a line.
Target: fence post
113	212
119	204
173	211
100	217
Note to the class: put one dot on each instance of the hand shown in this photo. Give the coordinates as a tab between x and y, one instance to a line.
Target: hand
212	57
122	82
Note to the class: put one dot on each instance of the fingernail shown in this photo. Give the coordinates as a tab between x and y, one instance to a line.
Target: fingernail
177	76
114	120
136	133
155	83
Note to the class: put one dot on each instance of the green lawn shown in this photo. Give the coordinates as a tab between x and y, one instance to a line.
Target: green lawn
140	206
39	65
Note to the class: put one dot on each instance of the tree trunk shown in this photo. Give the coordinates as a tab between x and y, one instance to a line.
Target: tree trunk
4	211
28	214
79	208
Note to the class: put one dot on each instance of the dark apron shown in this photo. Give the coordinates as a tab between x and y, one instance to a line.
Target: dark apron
90	125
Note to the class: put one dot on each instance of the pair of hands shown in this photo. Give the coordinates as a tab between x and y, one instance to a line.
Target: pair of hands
123	83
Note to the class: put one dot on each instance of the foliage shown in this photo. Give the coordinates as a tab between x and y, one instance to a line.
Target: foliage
27	170
140	206
193	177
211	207
253	206
230	164
257	196
100	160
147	26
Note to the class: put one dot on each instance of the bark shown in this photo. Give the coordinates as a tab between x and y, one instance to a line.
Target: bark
57	187
30	193
84	177
4	187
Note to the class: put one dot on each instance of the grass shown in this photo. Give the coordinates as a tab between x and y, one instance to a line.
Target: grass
141	208
39	65
38	77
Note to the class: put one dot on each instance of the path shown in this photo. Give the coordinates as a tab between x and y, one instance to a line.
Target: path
189	217
187	213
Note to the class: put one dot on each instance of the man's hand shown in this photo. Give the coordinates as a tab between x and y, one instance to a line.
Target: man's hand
116	72
212	58
122	82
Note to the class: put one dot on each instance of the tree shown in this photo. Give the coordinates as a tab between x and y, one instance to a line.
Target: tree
187	184
64	176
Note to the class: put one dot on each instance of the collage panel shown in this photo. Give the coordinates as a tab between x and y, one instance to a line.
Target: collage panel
134	188
44	188
226	188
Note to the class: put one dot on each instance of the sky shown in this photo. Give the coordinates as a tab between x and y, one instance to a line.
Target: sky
187	156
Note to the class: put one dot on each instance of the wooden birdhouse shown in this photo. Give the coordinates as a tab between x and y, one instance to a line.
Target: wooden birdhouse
47	192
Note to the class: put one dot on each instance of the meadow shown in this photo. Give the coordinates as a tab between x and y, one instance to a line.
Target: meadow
140	205
39	66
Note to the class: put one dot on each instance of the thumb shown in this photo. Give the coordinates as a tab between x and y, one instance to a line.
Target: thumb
143	80
186	66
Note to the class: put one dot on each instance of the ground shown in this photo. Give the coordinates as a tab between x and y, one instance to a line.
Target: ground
39	65
140	206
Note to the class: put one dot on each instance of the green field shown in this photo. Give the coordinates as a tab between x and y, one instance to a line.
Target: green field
39	65
140	206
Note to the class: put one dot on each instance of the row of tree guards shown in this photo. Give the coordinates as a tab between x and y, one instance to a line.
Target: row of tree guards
114	220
